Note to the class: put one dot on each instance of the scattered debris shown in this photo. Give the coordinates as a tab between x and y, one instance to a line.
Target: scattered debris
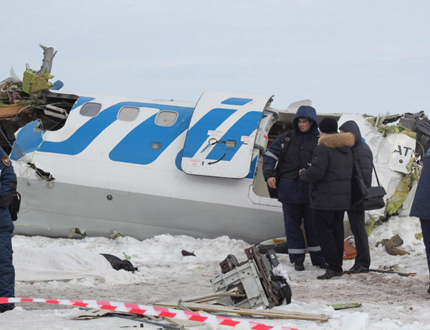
345	305
77	231
280	314
349	251
155	311
401	193
114	234
279	245
92	313
256	278
391	245
232	293
30	99
118	264
391	272
89	314
241	287
186	253
370	226
41	174
144	319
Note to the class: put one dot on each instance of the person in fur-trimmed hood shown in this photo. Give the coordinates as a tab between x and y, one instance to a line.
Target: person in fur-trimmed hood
329	178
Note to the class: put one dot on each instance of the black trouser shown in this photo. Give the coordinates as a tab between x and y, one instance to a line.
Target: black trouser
425	227
329	230
293	215
358	228
7	271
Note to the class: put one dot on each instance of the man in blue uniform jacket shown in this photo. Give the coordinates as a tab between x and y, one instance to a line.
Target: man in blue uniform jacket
293	192
7	271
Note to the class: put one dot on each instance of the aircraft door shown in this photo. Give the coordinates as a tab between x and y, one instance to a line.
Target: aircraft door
222	132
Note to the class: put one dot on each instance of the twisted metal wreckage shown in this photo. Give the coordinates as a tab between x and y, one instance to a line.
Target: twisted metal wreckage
30	99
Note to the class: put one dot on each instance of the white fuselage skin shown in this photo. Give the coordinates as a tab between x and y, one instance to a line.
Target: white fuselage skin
97	195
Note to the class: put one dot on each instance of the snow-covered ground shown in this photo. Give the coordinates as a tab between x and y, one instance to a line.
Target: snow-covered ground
73	269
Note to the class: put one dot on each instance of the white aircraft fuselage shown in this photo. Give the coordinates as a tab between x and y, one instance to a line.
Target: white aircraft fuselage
147	167
101	165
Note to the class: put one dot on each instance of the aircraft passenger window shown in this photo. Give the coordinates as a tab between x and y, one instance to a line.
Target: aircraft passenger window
90	109
128	113
166	118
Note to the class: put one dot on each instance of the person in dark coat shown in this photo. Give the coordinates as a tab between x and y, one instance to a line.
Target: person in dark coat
330	176
421	204
293	192
7	271
356	214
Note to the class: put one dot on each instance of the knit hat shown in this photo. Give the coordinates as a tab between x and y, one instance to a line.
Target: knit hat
328	125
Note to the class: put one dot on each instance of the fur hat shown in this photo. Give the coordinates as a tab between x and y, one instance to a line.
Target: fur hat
328	125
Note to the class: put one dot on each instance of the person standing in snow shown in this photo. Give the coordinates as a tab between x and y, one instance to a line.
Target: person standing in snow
421	204
7	271
356	214
293	150
330	176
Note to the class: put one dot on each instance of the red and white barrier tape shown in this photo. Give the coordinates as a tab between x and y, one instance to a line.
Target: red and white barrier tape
153	311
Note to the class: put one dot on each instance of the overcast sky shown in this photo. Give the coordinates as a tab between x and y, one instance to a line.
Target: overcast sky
346	56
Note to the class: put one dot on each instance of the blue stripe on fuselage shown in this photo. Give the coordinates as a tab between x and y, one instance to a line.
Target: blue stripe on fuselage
243	127
137	146
236	101
27	140
198	134
85	134
81	100
252	170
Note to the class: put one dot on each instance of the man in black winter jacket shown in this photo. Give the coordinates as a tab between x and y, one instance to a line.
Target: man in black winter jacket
330	176
292	191
356	215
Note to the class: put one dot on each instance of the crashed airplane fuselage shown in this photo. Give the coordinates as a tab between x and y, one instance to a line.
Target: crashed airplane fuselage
146	167
100	165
